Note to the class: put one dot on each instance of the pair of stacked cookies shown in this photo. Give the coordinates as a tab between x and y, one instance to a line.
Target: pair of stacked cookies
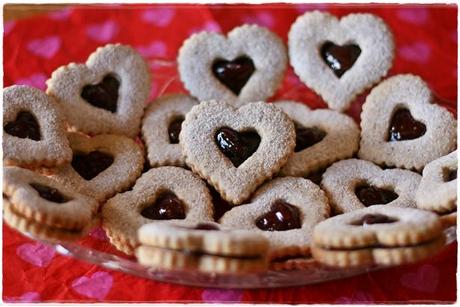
237	146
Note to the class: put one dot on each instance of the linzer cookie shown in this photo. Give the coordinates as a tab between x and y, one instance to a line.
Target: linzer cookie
164	193
322	137
236	150
384	235
105	95
339	59
161	127
33	129
354	184
284	210
102	165
206	247
44	208
438	188
208	238
248	65
402	126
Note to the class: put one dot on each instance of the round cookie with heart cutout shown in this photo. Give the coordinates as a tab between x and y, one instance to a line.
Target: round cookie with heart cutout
284	210
163	193
246	66
105	95
355	184
236	150
161	126
322	137
34	129
402	126
382	235
43	207
102	165
438	188
340	58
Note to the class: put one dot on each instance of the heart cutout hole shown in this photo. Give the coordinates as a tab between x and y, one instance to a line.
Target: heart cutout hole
370	195
103	95
237	146
89	165
174	129
25	126
376	218
50	194
233	74
307	136
404	127
339	58
167	206
282	216
449	174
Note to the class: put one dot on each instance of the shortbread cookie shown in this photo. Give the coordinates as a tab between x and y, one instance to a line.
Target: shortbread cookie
339	59
105	95
294	263
236	150
246	66
207	238
448	219
169	259
284	210
322	137
438	188
33	129
354	184
102	165
44	208
381	234
161	127
402	127
164	193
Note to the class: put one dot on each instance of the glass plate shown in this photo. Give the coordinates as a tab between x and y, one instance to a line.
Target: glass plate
315	273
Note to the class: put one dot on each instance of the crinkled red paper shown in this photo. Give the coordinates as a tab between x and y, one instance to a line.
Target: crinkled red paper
426	40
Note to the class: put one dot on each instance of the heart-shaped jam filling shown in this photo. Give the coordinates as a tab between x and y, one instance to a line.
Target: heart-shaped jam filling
103	95
306	137
377	218
237	146
90	165
25	126
449	174
233	74
174	129
166	207
339	58
370	195
404	127
282	216
50	194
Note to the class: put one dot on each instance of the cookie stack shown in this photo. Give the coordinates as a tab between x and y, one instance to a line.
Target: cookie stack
281	169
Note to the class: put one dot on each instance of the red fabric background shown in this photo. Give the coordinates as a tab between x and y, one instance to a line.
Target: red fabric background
426	39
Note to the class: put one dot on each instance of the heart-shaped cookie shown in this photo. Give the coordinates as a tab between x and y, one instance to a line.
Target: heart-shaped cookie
163	193
41	206
322	137
105	95
248	65
339	59
354	184
236	150
438	188
102	165
284	210
402	126
377	235
161	127
33	129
